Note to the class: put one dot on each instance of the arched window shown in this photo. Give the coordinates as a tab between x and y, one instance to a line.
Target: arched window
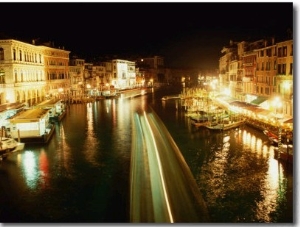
20	55
1	54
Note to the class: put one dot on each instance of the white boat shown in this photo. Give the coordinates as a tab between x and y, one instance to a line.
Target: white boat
31	126
110	94
215	126
167	97
9	145
56	107
226	126
235	124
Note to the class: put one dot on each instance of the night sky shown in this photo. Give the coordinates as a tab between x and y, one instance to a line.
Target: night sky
186	34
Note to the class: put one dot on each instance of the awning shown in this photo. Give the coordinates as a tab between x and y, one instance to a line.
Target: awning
225	98
259	100
289	121
11	106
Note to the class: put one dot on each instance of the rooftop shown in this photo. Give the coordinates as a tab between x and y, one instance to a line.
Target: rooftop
29	115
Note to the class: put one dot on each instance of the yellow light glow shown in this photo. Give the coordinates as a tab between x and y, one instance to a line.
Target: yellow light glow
10	96
227	91
286	84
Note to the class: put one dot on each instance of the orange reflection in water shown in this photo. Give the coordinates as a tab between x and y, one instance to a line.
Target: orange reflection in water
91	142
245	170
273	186
44	168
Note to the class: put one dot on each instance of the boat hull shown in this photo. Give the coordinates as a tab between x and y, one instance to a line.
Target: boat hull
286	157
58	118
224	127
285	153
11	147
43	139
200	124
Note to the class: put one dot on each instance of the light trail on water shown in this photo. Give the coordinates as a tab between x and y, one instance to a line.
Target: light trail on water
160	170
174	194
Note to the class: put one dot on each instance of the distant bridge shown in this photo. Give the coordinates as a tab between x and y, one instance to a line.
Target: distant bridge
162	187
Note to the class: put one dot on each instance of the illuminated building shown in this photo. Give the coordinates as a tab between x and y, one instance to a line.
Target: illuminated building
76	73
258	71
103	72
29	73
229	54
56	66
124	75
249	66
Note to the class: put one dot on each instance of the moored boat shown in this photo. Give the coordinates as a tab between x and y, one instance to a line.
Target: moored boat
286	138
285	153
202	120
200	124
9	145
167	97
220	126
235	124
109	96
270	134
57	109
31	126
215	126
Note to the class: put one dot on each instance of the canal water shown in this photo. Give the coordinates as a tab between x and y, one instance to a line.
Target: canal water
82	175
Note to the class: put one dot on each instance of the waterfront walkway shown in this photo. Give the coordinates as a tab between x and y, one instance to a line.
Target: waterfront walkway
196	98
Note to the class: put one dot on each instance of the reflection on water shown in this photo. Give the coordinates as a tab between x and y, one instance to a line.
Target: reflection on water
91	142
44	169
242	181
35	168
30	167
236	171
82	175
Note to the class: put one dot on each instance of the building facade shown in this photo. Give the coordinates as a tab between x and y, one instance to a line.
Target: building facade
123	74
30	73
152	70
261	70
76	73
